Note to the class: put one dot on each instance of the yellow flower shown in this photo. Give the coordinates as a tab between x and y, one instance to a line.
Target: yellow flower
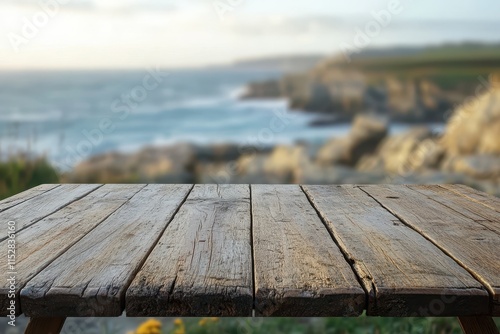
150	326
205	321
180	328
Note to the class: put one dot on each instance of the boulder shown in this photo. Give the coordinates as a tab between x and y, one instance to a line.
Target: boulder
335	91
318	174
474	128
263	90
371	163
219	152
482	166
335	151
366	134
414	150
285	160
110	168
254	168
151	164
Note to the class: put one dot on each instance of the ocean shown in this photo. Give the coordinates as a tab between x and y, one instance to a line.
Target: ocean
70	116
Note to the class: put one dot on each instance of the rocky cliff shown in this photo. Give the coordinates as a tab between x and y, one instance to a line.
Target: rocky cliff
414	87
468	153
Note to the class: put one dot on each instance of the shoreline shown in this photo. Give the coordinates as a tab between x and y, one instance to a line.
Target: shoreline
337	131
369	153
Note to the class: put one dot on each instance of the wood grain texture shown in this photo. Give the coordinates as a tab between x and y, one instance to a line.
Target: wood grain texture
404	274
41	243
202	265
299	270
25	195
478	325
46	203
472	245
474	195
91	277
461	205
50	325
416	250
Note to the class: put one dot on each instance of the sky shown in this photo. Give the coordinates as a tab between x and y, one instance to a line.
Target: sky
93	34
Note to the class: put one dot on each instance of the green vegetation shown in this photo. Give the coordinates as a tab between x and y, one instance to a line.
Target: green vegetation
361	325
449	66
20	173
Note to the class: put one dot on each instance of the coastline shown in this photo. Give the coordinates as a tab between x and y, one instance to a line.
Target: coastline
367	154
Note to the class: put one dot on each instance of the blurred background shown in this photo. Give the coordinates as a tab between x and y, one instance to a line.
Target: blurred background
238	91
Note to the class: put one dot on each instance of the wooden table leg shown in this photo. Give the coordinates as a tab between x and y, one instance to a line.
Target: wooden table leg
45	325
478	325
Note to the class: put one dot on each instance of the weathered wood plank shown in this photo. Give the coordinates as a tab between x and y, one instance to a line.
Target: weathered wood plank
404	273
482	198
50	325
25	195
202	265
482	215
39	244
473	246
478	325
38	207
91	277
299	270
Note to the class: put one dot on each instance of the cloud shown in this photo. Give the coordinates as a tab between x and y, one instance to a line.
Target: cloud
262	25
107	33
135	5
326	24
114	6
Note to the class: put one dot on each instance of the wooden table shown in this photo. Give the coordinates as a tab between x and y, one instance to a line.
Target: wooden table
242	250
